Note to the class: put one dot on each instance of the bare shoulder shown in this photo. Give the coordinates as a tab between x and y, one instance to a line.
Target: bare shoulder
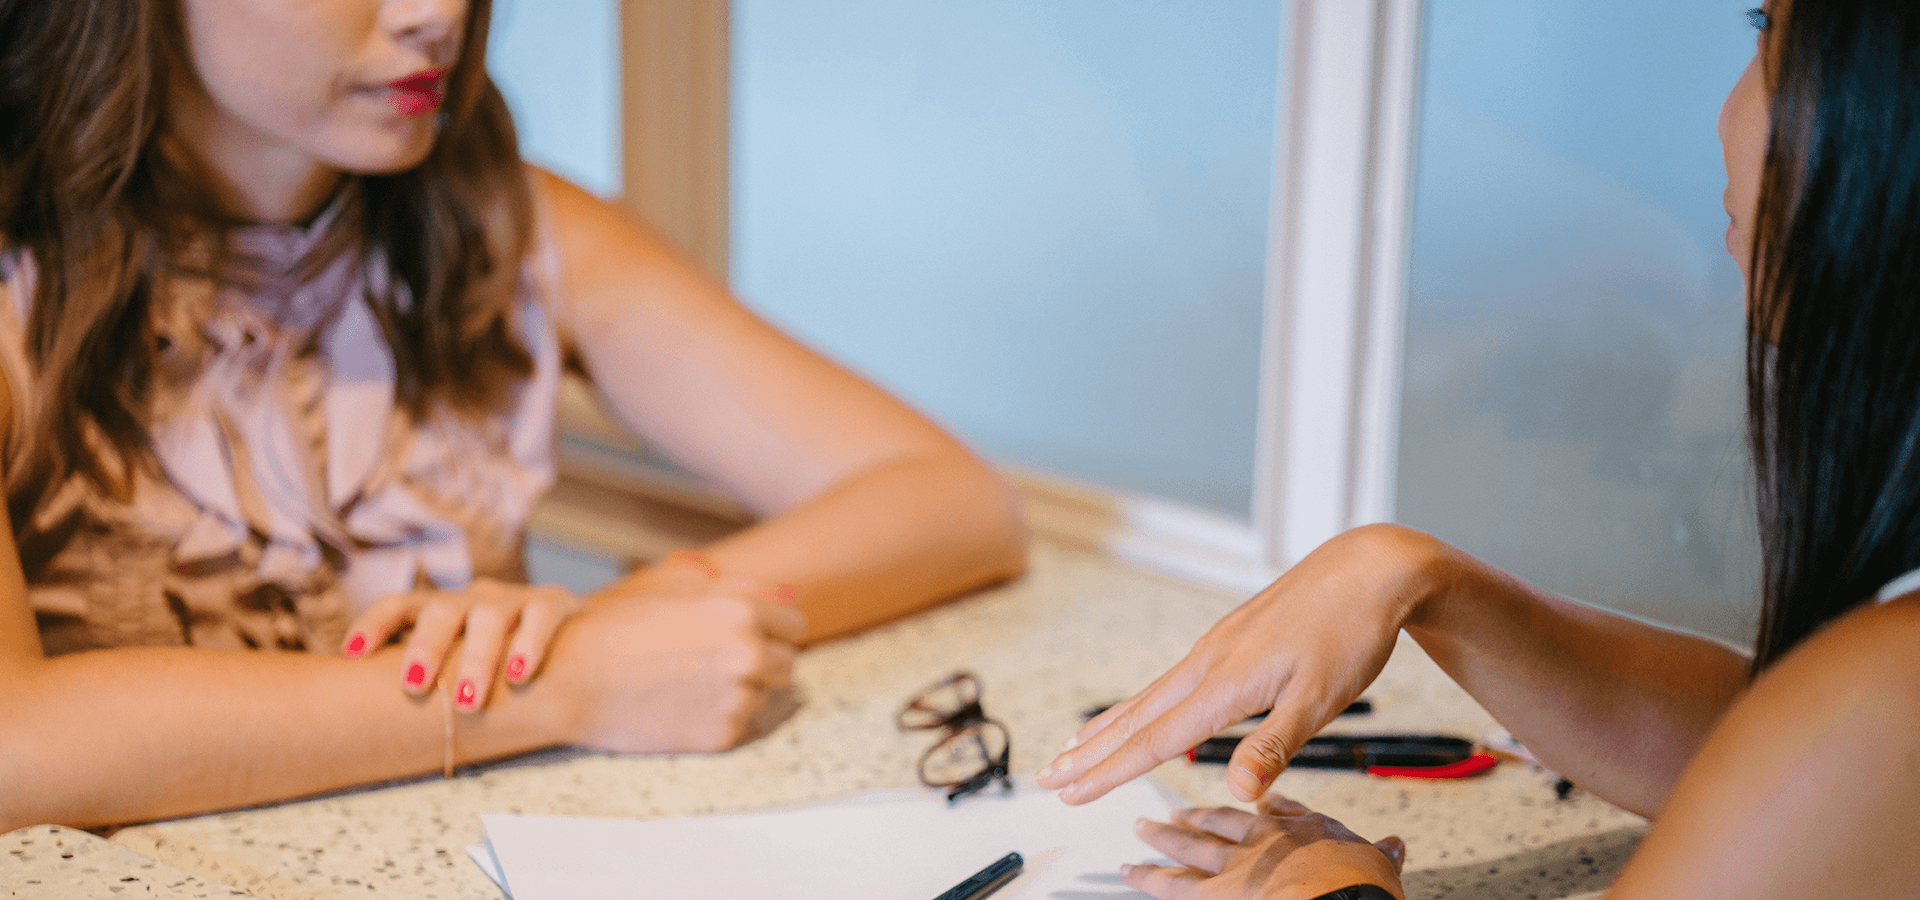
1807	786
610	263
589	227
1875	648
1850	695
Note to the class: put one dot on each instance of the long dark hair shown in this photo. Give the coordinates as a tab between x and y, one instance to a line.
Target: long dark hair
88	191
1833	355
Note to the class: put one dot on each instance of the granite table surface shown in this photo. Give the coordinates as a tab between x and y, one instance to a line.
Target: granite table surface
1078	630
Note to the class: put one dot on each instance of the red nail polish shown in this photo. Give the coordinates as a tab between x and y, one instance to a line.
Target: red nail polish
417	675
516	667
466	693
357	644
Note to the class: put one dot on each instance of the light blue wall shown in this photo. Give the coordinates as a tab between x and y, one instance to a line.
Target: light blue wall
1572	405
1044	222
558	63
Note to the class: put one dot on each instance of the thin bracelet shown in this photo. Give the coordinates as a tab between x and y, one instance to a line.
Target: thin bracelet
700	562
446	707
693	559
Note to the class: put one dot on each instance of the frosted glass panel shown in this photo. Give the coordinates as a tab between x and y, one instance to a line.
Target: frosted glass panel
1043	222
1573	399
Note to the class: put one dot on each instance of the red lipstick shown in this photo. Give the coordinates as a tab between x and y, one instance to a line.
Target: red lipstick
419	94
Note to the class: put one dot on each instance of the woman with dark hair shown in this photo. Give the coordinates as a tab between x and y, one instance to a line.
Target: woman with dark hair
1795	773
283	318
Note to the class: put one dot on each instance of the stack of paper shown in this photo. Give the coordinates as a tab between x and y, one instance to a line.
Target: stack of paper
897	845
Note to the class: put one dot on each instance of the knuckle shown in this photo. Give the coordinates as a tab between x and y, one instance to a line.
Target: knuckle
556	596
1271	750
440	611
1155	743
489	616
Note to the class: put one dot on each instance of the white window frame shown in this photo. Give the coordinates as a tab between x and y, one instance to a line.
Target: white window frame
1336	286
1337	266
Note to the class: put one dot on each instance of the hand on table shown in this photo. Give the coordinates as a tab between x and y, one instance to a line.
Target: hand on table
492	620
1283	852
688	665
1305	647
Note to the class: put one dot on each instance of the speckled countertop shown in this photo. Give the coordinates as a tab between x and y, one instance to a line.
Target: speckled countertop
1080	629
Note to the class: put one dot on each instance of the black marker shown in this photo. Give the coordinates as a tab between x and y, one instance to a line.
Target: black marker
987	880
1360	752
1358	707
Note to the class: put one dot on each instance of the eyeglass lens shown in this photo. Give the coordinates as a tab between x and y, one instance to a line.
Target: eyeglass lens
975	750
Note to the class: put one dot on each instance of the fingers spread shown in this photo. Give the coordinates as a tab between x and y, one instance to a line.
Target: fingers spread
1189	847
1165	882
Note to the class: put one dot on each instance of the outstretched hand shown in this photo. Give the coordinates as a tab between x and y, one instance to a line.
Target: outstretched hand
1305	647
1283	852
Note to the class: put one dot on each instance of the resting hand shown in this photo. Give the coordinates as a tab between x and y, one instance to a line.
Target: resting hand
1305	647
492	620
700	668
1285	852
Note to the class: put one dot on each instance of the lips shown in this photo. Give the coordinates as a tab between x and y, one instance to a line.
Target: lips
419	94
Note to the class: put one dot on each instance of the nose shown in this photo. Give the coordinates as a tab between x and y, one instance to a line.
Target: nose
425	25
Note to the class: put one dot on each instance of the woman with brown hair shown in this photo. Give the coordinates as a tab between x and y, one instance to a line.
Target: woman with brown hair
282	321
1791	773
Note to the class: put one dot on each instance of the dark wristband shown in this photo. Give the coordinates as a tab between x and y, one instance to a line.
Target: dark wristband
1357	892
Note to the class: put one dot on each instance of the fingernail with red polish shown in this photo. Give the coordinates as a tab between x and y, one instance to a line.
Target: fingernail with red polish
357	644
467	691
516	667
416	675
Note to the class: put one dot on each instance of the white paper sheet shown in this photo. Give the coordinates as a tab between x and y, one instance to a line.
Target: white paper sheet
894	846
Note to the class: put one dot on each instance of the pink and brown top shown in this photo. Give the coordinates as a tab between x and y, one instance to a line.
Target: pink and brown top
292	490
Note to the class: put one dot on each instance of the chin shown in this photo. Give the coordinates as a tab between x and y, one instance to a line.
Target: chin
383	155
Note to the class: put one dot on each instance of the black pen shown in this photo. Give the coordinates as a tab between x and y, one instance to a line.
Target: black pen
987	880
1358	707
1427	755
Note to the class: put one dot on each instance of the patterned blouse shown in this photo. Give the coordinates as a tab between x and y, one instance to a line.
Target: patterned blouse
293	491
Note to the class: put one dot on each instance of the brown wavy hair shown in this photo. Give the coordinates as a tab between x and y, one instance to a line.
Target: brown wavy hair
87	192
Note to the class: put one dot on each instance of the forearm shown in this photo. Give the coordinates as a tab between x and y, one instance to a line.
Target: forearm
1616	705
886	542
127	735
